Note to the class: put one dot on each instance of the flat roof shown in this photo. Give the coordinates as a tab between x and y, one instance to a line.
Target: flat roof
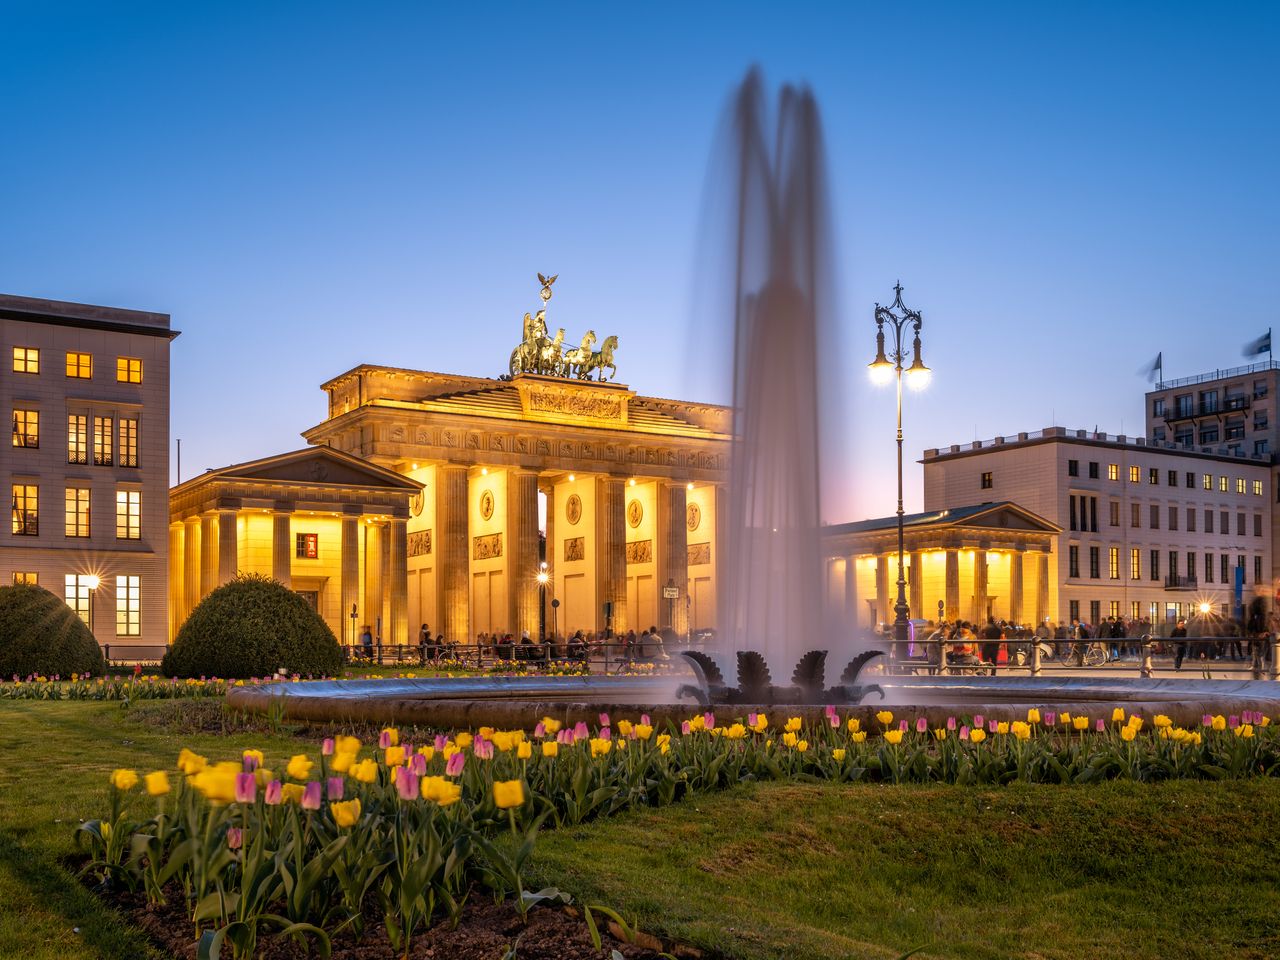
86	315
1091	438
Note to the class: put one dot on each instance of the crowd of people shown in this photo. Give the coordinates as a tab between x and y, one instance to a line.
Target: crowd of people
580	646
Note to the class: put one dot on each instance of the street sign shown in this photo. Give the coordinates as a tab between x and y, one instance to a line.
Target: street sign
670	593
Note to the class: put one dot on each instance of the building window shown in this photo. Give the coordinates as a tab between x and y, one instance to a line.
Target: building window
1184	436
1191	519
128	370
1208	401
1135	610
128	606
1155	517
1173	518
1208	521
1135	515
1135	564
1157	407
1134	475
1073	607
78	594
1093	469
1158	434
1073	561
1173	478
1225	526
1072	500
1113	563
1208	568
986	481
307	546
1261	447
1153	476
1093	514
31	577
1257	488
1224	562
1257	524
1259	389
103	439
1154	572
1257	569
1173	564
1191	480
1115	513
1240	525
77	522
128	515
1113	471
1222	484
1095	566
1209	434
1113	608
26	360
1095	611
1191	565
1073	468
26	428
1208	481
1239	484
128	442
26	510
79	366
77	438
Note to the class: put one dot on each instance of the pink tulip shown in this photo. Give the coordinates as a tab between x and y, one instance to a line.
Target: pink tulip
564	737
455	763
1050	718
311	796
441	740
709	719
540	730
235	837
993	726
418	764
964	733
644	718
685	728
326	747
580	731
335	788
922	724
1233	721
903	725
1206	721
753	719
407	784
951	723
978	720
384	740
250	763
272	795
1101	725
246	788
606	733
834	721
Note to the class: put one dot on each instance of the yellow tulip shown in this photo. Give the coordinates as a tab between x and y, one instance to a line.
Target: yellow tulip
503	741
1160	720
664	742
644	731
940	733
600	747
393	735
1264	722
1033	715
262	776
394	756
1020	730
853	725
1135	722
1064	718
893	736
1245	730
837	755
551	726
1127	733
218	782
366	771
157	783
698	722
427	752
440	790
550	748
884	717
524	751
625	727
1219	722
292	792
346	745
789	739
802	746
299	767
977	735
486	732
342	761
508	793
255	755
1117	715
762	723
345	812
1080	723
190	763
124	779
1002	727
792	724
463	740
860	736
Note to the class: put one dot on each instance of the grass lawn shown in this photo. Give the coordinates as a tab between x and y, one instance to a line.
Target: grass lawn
764	871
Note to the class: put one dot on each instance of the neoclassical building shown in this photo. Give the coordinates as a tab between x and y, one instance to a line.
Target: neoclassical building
617	493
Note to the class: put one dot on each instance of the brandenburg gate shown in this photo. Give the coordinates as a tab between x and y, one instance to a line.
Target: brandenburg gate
619	495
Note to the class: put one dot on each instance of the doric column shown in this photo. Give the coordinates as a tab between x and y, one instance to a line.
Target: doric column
611	550
915	591
673	556
281	548
383	561
979	586
522	536
552	620
208	551
884	605
350	577
371	598
953	585
228	559
399	581
1015	585
1042	586
851	612
454	551
191	563
177	608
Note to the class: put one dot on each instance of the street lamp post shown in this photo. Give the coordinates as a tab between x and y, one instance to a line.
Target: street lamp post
543	579
884	368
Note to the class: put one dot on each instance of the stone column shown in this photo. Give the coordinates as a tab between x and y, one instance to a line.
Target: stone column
915	592
281	548
191	563
177	583
953	585
1042	586
522	540
851	611
611	551
884	603
399	580
208	551
382	559
349	589
454	546
672	560
553	616
228	559
979	586
1015	585
371	596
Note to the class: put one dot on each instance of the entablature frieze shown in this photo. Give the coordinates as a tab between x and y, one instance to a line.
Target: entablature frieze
287	498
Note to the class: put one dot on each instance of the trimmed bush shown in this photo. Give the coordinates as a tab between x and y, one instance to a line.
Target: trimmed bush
40	634
251	627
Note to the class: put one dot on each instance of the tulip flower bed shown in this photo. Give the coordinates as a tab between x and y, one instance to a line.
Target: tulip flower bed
402	834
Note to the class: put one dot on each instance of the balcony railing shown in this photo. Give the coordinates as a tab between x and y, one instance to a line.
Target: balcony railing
1176	581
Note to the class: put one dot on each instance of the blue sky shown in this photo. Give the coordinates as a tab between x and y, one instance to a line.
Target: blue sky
1062	189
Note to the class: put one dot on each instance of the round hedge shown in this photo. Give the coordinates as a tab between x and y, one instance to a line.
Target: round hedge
41	635
251	627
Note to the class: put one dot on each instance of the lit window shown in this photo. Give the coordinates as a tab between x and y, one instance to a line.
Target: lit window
1222	484
26	360
80	366
31	577
1208	481
1153	475
128	515
128	442
102	441
986	481
307	546
26	510
26	428
1135	565
128	606
79	590
1239	484
77	523
1113	471
77	438
1257	488
1133	475
128	370
1113	563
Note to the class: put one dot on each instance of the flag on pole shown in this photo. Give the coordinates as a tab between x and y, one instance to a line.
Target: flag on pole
1259	346
1154	371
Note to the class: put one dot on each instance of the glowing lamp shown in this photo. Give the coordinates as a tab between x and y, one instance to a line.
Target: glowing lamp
92	581
1205	607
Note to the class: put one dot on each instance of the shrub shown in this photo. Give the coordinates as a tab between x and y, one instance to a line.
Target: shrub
40	634
251	627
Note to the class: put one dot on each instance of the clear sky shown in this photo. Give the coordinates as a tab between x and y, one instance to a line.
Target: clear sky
1063	189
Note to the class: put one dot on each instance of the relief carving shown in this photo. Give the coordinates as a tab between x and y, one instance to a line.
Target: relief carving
640	551
699	553
576	404
487	547
574	549
419	543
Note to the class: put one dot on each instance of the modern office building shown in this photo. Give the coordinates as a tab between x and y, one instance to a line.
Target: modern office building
1229	412
87	388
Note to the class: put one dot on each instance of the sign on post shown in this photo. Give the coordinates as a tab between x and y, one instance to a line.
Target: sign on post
671	593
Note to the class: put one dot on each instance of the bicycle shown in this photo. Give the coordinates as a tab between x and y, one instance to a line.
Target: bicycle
1093	655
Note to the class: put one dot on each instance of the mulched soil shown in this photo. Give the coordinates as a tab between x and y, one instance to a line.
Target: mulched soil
486	931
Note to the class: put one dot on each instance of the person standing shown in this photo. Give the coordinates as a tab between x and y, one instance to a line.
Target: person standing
991	641
1179	636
